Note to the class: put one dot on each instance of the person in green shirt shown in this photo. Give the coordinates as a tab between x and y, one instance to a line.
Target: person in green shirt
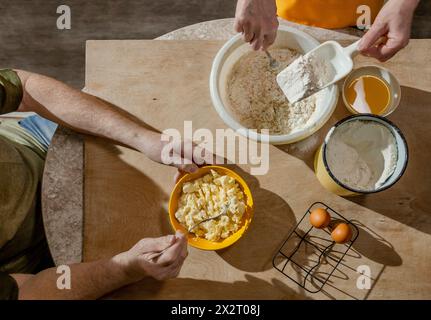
23	147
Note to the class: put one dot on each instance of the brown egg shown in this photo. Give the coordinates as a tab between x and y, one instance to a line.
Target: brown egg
342	233
320	218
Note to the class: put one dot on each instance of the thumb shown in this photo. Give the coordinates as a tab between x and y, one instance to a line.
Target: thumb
371	37
178	175
189	168
183	164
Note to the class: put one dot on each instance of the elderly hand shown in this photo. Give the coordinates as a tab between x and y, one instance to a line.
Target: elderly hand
393	22
138	263
257	21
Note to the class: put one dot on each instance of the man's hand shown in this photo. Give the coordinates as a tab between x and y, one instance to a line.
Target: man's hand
393	22
138	263
186	156
92	280
257	21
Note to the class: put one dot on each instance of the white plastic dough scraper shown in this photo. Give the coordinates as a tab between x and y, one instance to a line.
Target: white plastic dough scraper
337	58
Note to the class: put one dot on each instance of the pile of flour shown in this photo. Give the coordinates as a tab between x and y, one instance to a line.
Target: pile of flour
362	154
304	77
257	101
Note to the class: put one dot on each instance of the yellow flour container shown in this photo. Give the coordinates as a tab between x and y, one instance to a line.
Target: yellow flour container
331	183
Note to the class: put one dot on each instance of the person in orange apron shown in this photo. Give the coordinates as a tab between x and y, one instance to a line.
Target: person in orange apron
257	20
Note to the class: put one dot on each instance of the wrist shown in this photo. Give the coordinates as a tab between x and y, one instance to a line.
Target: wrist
127	268
145	140
124	268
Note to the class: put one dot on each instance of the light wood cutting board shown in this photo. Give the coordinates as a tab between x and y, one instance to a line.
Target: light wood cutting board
165	83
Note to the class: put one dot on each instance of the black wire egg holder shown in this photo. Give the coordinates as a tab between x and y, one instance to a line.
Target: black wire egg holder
324	252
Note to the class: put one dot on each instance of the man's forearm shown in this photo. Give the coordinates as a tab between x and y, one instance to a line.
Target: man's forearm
84	113
88	281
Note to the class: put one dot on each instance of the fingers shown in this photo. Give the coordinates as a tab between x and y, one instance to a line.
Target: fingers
192	157
392	47
173	253
377	52
259	35
385	51
394	21
187	156
155	244
182	237
370	38
244	27
169	272
373	43
189	168
257	20
172	250
203	156
270	35
179	162
183	156
248	33
173	270
257	42
268	40
170	266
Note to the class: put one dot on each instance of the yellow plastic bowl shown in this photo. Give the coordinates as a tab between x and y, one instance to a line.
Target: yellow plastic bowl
203	243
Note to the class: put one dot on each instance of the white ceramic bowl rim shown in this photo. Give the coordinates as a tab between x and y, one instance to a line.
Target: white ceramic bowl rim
253	134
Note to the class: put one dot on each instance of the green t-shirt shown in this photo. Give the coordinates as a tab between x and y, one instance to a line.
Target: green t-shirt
22	239
8	287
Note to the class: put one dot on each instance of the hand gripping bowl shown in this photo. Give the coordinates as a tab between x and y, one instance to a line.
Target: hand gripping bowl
232	51
202	243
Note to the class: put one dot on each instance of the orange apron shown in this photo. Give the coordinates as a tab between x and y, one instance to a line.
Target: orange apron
328	14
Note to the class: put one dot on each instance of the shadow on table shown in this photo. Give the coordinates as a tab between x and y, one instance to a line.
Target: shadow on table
408	201
254	288
193	289
337	268
273	219
119	198
375	247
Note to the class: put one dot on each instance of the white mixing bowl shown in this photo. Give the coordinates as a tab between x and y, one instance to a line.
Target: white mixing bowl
232	51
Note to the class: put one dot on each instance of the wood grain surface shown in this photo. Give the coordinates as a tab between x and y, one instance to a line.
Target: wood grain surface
166	82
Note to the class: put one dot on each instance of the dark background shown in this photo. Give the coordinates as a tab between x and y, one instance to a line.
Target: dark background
30	40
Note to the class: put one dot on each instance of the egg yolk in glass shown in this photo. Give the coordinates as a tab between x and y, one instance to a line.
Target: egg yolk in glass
368	94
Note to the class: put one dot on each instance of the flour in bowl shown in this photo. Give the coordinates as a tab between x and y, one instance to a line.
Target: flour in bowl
362	154
257	101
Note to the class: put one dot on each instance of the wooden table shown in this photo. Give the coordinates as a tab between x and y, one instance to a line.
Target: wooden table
394	225
62	189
